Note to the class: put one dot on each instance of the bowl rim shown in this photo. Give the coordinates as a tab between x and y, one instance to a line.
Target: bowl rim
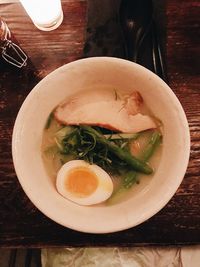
159	205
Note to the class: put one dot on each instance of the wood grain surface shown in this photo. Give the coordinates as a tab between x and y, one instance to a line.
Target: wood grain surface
21	224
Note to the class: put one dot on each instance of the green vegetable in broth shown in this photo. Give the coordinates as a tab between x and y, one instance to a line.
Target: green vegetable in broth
132	177
154	142
84	145
108	149
125	156
146	154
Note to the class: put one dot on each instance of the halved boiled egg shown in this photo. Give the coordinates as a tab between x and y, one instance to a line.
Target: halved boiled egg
84	183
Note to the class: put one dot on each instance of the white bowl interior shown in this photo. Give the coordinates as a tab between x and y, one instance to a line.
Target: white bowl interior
80	75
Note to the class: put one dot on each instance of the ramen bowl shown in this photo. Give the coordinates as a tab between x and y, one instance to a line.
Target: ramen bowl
73	78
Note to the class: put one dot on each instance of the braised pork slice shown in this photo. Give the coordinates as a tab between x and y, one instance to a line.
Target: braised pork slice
105	109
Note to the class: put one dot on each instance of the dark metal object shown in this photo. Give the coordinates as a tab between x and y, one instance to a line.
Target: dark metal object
158	59
135	18
140	35
10	51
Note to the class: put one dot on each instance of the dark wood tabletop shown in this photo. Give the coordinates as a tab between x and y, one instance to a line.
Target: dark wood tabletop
82	34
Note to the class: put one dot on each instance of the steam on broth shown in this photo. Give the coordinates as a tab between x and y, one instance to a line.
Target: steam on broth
101	144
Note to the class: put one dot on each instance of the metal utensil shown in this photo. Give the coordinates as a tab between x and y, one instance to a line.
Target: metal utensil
158	60
140	35
10	51
136	20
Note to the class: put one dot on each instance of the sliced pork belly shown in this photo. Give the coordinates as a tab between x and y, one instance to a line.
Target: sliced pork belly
111	112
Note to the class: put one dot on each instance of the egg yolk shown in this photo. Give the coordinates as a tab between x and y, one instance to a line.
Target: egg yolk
81	182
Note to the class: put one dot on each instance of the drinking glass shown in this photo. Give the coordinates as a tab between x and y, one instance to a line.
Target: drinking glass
46	15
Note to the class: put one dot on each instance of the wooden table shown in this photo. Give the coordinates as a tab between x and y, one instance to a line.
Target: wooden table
21	224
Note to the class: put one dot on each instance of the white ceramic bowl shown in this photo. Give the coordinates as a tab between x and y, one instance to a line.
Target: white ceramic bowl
68	79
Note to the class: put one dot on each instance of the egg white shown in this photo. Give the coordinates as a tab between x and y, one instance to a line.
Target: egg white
103	191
